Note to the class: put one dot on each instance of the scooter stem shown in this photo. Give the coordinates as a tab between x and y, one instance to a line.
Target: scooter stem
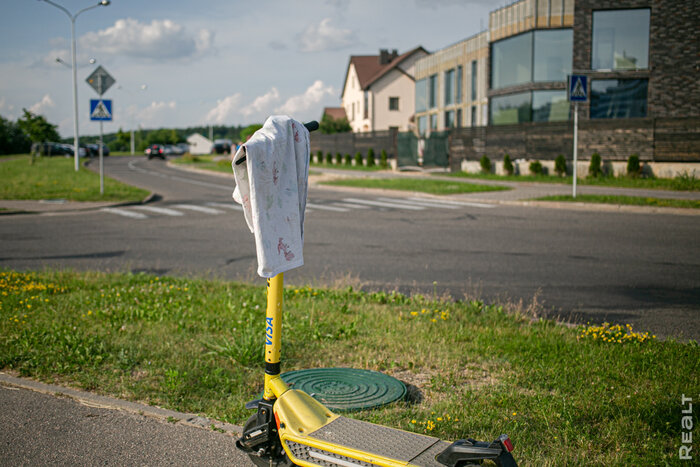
274	386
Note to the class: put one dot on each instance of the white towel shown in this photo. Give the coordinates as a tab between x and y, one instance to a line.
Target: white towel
272	185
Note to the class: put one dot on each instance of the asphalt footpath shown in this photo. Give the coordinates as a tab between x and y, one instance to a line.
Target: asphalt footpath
43	424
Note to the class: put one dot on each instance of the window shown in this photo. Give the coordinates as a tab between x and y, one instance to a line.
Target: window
432	96
422	125
449	119
458	123
473	122
553	54
544	55
620	40
619	98
433	122
511	109
393	103
474	79
353	111
449	85
550	106
366	104
422	95
511	61
460	78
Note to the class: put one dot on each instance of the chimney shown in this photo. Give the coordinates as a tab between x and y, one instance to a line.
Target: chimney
394	55
384	56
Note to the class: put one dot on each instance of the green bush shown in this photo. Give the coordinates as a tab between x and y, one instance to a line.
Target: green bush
329	158
595	168
383	160
508	165
634	168
370	158
338	158
319	157
560	165
348	159
485	163
536	168
358	159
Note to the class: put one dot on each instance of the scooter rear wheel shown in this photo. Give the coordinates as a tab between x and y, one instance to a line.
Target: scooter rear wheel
280	460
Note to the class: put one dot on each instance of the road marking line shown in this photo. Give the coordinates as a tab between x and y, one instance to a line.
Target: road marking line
351	205
165	211
426	203
193	207
384	204
125	213
323	207
458	203
231	205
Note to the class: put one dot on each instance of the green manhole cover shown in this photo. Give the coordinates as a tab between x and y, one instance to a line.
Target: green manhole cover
347	389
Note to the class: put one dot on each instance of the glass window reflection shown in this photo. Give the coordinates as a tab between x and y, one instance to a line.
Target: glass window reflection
422	95
619	98
511	61
553	54
620	40
511	109
550	106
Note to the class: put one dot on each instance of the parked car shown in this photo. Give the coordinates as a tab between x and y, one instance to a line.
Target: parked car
94	150
155	150
82	150
51	149
174	149
222	146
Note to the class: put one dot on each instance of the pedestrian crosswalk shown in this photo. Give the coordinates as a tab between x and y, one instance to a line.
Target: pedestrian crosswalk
315	207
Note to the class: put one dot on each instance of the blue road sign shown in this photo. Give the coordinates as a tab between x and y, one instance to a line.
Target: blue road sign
578	88
101	110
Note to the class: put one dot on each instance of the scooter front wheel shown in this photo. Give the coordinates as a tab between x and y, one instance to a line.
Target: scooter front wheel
266	460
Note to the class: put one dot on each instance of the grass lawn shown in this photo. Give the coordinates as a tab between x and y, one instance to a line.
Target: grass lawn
56	178
598	395
626	200
436	187
205	162
679	183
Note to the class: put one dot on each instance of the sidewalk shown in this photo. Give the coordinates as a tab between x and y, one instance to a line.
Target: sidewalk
42	424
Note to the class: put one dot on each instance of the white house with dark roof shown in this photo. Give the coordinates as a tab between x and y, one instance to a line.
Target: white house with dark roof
379	90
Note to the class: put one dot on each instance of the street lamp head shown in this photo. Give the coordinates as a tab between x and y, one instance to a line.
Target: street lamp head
105	2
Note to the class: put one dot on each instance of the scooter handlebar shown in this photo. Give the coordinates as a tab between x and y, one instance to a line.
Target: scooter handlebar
311	126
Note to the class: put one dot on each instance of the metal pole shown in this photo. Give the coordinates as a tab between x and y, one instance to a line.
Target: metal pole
102	170
132	139
76	137
575	145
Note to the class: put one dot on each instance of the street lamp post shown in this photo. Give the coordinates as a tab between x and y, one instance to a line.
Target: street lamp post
131	125
76	147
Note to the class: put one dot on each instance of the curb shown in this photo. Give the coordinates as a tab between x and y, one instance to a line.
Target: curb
104	402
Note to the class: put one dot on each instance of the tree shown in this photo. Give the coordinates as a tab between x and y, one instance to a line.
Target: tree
37	128
248	131
122	142
330	125
12	139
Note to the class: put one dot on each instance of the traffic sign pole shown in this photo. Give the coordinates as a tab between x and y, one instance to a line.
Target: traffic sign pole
575	145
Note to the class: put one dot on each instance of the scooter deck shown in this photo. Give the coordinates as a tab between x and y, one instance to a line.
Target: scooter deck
403	446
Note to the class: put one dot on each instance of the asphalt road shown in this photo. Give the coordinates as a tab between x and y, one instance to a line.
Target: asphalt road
54	429
636	268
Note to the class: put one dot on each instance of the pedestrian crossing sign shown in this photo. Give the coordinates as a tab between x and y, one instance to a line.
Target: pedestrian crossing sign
101	110
578	88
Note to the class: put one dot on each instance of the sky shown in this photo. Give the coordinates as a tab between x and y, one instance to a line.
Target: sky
183	63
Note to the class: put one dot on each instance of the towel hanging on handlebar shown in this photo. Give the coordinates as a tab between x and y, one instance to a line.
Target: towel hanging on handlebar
271	171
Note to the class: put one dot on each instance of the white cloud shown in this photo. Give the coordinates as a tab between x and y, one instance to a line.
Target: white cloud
159	40
44	104
224	110
156	112
311	98
6	110
324	36
262	104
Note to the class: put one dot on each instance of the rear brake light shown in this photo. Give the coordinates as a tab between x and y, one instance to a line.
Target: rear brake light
506	442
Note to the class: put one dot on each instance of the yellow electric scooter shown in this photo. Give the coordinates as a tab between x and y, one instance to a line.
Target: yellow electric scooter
292	428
